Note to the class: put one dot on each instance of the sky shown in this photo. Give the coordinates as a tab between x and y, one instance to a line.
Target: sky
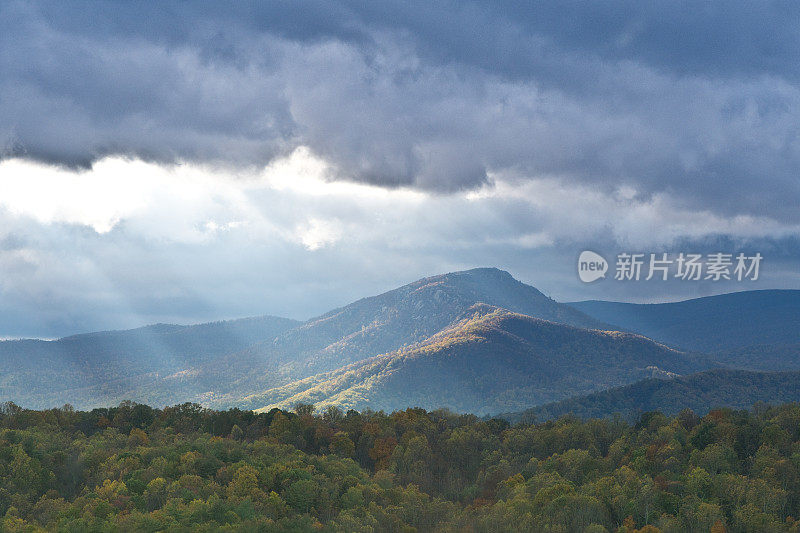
193	161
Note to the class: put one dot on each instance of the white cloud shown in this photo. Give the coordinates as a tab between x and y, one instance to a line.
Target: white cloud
316	233
98	199
295	200
378	102
130	242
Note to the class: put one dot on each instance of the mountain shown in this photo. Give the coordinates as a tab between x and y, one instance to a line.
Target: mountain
710	324
219	364
701	392
377	325
105	367
474	341
489	360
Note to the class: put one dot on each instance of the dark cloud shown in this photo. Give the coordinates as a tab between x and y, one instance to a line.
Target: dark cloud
698	100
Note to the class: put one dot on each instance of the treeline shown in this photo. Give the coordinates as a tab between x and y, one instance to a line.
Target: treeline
186	468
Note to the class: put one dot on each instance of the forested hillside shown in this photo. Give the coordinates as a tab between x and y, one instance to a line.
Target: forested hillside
766	357
700	392
488	361
104	368
185	468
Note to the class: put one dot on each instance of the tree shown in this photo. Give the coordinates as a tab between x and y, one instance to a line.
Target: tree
304	409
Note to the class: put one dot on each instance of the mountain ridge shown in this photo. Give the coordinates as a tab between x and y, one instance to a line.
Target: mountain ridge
491	342
217	374
116	360
710	323
386	322
487	347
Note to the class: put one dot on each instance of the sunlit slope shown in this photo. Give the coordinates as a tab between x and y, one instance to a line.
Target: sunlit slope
489	360
376	325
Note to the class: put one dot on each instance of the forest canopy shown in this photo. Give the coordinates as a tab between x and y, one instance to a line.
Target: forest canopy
187	468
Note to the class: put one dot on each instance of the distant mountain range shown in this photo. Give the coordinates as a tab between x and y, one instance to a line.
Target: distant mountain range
701	392
474	341
710	324
96	369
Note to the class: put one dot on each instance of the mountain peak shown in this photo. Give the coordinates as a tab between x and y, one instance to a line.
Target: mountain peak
485	271
483	274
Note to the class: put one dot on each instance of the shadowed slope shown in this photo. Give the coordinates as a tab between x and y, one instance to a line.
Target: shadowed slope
701	392
106	367
712	323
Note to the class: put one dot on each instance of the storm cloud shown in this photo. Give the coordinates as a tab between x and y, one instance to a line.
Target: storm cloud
187	161
698	100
